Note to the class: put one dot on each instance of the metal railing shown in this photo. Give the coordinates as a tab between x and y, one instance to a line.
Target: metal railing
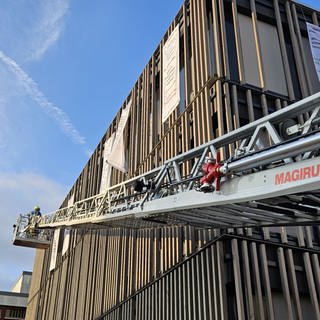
175	293
26	231
259	145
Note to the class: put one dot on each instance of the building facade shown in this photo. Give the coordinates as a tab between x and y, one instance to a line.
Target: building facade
238	60
13	304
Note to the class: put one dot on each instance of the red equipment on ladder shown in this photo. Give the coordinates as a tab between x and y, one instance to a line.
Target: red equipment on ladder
272	179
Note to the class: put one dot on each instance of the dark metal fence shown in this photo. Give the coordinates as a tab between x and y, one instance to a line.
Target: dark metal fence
232	277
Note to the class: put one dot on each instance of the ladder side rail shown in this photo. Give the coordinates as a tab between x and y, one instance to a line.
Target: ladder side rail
245	163
250	193
197	167
287	150
270	131
242	164
70	213
123	190
246	131
311	121
52	216
158	183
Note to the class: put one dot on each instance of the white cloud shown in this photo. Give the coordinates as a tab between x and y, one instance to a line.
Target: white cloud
19	194
29	28
49	26
27	31
35	94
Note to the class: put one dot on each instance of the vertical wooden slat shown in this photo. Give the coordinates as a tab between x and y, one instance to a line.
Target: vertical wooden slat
315	19
195	71
237	278
224	47
283	50
187	84
315	260
257	41
266	283
238	41
75	280
250	106
292	276
222	307
248	297
284	282
309	275
297	55
83	277
301	47
257	279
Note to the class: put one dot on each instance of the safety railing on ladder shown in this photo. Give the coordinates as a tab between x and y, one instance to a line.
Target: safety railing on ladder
266	157
27	234
275	140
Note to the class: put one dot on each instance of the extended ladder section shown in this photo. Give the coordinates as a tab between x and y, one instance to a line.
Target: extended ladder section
269	176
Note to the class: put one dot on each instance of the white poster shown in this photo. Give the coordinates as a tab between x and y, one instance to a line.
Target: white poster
71	200
74	238
54	249
106	169
314	39
150	131
66	241
170	75
117	157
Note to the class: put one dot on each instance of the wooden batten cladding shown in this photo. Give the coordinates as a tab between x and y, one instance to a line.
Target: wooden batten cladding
239	60
180	272
232	276
103	267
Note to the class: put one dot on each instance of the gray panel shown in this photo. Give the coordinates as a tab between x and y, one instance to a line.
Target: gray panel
306	307
250	59
13	299
279	305
271	59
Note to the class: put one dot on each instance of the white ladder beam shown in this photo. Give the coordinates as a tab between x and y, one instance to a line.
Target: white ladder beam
172	191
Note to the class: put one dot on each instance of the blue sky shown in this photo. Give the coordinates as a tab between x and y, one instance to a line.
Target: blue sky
66	67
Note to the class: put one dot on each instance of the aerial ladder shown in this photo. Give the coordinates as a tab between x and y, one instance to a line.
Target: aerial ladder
266	173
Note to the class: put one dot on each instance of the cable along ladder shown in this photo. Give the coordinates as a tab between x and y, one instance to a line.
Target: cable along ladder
272	178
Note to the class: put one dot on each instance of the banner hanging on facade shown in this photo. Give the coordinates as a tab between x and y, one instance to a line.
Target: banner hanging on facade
170	75
106	169
54	249
314	39
71	200
117	157
66	241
